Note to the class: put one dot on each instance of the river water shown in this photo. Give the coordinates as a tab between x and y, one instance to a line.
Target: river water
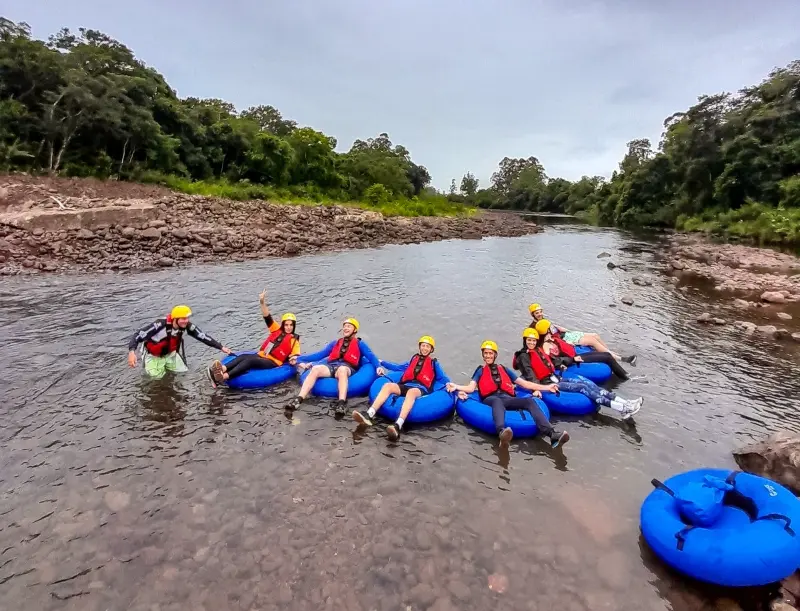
122	493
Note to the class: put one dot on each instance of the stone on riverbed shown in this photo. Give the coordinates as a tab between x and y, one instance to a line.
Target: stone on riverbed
747	327
603	255
773	297
784	316
627	300
705	317
776	457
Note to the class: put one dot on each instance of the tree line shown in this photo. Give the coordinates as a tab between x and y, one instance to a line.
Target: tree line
730	164
81	104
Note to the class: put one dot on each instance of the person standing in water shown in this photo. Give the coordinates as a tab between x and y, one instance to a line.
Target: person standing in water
420	374
536	364
495	385
339	359
163	342
281	346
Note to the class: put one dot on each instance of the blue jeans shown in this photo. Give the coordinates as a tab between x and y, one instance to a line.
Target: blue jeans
586	387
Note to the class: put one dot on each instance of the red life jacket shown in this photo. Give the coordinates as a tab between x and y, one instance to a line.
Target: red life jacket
564	349
165	342
347	350
494	378
421	369
542	366
282	345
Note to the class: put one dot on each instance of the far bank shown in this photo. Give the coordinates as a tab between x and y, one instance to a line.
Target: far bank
61	225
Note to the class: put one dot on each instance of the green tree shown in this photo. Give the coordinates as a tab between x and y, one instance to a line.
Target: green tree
469	185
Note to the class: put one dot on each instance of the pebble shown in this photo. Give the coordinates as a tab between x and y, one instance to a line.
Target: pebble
773	297
784	316
627	300
117	501
422	594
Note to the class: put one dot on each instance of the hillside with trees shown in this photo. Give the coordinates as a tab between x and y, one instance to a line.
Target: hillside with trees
81	104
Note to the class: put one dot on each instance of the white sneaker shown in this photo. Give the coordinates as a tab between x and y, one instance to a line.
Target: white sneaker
631	408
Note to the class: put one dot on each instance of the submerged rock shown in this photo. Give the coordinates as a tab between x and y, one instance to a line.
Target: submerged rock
777	458
603	255
773	297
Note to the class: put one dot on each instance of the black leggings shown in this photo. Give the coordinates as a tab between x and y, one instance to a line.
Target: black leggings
500	403
605	357
245	362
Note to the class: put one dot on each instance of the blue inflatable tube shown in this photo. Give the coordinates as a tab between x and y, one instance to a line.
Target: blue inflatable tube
599	373
428	408
478	414
258	378
357	386
570	403
752	546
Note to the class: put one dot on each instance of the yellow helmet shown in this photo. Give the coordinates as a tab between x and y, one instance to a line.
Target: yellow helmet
533	307
353	322
181	311
288	316
489	345
427	339
543	326
530	332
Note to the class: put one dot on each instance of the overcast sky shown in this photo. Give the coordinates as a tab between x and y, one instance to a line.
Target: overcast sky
460	83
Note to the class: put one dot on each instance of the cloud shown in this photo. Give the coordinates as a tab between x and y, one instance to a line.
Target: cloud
460	83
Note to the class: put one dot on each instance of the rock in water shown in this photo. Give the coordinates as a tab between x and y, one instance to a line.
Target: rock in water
784	316
627	300
777	457
773	297
603	255
611	265
705	317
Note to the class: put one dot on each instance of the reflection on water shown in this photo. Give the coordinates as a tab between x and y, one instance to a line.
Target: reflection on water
118	492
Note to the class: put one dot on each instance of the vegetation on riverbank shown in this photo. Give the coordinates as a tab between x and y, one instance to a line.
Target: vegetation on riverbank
81	104
730	165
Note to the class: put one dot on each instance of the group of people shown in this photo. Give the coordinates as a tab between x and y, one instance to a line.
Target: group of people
547	350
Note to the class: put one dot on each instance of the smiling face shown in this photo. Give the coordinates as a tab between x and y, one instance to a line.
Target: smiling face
348	329
425	348
181	323
288	326
530	343
538	314
489	356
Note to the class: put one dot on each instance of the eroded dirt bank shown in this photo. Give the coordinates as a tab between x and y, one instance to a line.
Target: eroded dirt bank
57	225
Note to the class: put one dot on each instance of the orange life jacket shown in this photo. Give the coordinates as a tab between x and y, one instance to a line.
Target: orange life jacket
282	345
167	342
421	369
494	378
348	350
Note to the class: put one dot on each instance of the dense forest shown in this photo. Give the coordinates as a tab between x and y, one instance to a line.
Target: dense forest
83	105
729	165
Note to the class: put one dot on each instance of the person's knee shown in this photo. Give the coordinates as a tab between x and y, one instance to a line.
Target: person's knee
342	373
392	389
316	370
413	394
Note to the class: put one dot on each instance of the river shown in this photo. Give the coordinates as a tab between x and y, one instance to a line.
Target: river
122	493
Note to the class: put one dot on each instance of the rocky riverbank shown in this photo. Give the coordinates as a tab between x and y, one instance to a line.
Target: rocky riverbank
57	225
752	272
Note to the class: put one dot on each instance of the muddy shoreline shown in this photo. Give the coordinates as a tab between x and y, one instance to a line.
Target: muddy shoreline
78	225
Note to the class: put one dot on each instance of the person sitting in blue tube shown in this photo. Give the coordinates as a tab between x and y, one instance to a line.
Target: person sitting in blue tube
537	363
495	385
420	374
339	359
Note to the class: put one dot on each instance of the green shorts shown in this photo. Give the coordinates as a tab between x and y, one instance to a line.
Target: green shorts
573	337
157	366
